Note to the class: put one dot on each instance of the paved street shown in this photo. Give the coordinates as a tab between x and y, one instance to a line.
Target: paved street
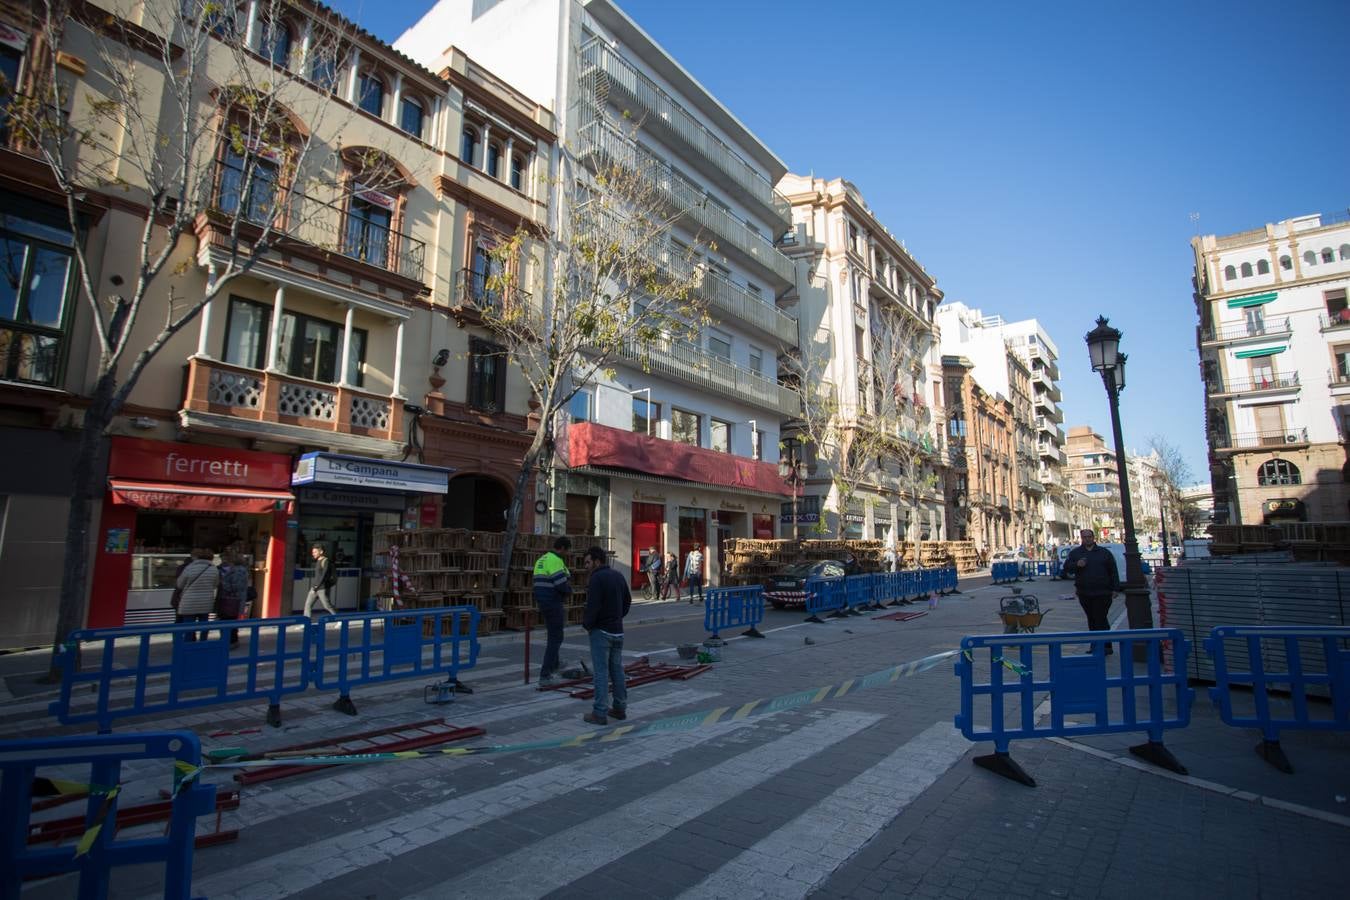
870	794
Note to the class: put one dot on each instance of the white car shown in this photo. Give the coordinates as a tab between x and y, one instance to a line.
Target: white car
1010	556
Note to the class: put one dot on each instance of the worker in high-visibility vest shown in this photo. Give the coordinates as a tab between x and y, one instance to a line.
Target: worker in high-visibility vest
552	587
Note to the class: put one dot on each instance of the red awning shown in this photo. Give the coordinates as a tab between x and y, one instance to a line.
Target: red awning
195	497
600	445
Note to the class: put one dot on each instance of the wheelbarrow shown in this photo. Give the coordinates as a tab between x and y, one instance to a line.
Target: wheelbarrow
1021	613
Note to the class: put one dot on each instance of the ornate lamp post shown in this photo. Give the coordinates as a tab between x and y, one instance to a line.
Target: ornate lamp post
792	469
1104	349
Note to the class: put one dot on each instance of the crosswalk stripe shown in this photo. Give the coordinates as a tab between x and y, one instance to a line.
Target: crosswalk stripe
803	853
305	866
563	858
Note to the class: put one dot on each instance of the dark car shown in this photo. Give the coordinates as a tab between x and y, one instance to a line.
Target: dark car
787	589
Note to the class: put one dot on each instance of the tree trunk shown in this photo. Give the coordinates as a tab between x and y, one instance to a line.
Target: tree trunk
70	612
527	465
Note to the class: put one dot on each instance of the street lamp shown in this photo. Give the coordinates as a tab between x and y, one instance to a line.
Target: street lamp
792	469
1104	349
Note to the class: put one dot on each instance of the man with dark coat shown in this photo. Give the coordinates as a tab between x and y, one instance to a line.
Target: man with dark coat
552	587
1095	579
607	602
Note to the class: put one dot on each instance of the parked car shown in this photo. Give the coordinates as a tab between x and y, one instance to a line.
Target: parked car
787	589
1010	556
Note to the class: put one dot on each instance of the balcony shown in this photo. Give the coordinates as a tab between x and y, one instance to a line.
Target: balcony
604	76
1334	321
687	199
682	361
230	399
317	223
1338	378
1237	332
1257	440
473	297
1284	381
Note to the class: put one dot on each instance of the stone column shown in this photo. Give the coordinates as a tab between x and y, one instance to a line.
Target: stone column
274	334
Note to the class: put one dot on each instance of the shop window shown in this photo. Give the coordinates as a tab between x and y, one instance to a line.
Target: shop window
410	116
36	250
684	427
309	347
719	434
645	415
487	376
1278	472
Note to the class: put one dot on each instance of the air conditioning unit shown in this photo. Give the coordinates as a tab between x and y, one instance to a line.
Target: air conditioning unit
1292	438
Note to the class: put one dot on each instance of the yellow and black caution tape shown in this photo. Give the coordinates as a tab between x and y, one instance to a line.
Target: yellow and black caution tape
686	722
92	832
1011	664
57	787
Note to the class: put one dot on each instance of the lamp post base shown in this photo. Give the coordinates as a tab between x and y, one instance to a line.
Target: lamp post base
1139	615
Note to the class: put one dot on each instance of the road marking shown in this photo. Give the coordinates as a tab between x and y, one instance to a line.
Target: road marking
803	853
563	858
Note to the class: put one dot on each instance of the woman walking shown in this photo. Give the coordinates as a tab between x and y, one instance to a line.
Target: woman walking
233	592
693	572
672	577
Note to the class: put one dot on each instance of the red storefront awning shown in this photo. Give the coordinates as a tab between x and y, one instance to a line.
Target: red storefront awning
195	497
599	445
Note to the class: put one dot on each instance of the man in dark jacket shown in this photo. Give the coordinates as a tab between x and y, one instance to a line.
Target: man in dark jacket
552	587
1095	579
607	602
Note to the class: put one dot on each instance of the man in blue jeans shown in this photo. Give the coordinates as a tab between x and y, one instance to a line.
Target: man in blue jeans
607	602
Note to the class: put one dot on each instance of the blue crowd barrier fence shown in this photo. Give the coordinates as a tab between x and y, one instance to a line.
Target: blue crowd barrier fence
1283	665
102	848
952	581
134	674
1055	568
824	595
883	589
734	607
356	650
1079	685
857	593
1003	572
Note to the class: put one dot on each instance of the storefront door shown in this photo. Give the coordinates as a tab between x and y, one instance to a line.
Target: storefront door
647	520
693	532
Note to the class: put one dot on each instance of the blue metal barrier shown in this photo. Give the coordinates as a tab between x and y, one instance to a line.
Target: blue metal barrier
929	582
22	761
1291	659
352	650
733	607
161	669
1003	572
883	589
1078	685
1042	567
1027	569
824	595
952	582
1055	568
857	593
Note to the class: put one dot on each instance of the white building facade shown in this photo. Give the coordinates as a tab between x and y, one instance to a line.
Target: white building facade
1274	341
679	452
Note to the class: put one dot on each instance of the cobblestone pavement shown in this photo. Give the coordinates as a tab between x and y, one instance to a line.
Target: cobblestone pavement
865	795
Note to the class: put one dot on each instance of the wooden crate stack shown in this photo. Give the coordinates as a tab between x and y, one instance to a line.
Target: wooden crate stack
753	561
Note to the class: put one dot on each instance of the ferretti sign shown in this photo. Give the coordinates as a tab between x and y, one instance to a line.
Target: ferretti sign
376	474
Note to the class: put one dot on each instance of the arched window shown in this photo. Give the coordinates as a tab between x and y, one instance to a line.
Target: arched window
1229	272
468	145
1286	263
1310	258
1246	270
276	43
1327	255
370	95
1277	472
517	171
1262	267
1345	251
410	116
494	156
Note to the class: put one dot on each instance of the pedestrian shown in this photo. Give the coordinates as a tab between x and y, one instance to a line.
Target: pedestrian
693	573
195	590
234	585
672	572
890	558
607	602
1095	579
322	582
653	574
552	587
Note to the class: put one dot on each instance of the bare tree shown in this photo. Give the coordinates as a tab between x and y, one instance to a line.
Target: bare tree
190	115
1174	472
615	288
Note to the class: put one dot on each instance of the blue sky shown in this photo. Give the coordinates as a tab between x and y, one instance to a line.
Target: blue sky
1040	158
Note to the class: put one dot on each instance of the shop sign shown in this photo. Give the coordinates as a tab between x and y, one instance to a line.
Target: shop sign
803	518
168	461
733	507
351	499
853	518
13	37
378	474
429	514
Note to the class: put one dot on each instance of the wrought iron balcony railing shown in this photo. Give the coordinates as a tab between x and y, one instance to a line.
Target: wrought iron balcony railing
1238	331
682	361
1282	381
1257	439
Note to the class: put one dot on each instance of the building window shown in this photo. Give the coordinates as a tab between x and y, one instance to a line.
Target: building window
1276	472
719	434
1230	272
468	145
36	251
1335	304
1310	258
370	93
1246	270
957	428
323	72
1262	267
11	61
1327	255
308	347
517	171
494	155
487	376
369	219
1345	251
582	406
1340	356
1286	263
410	116
645	415
257	203
684	427
719	345
276	43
